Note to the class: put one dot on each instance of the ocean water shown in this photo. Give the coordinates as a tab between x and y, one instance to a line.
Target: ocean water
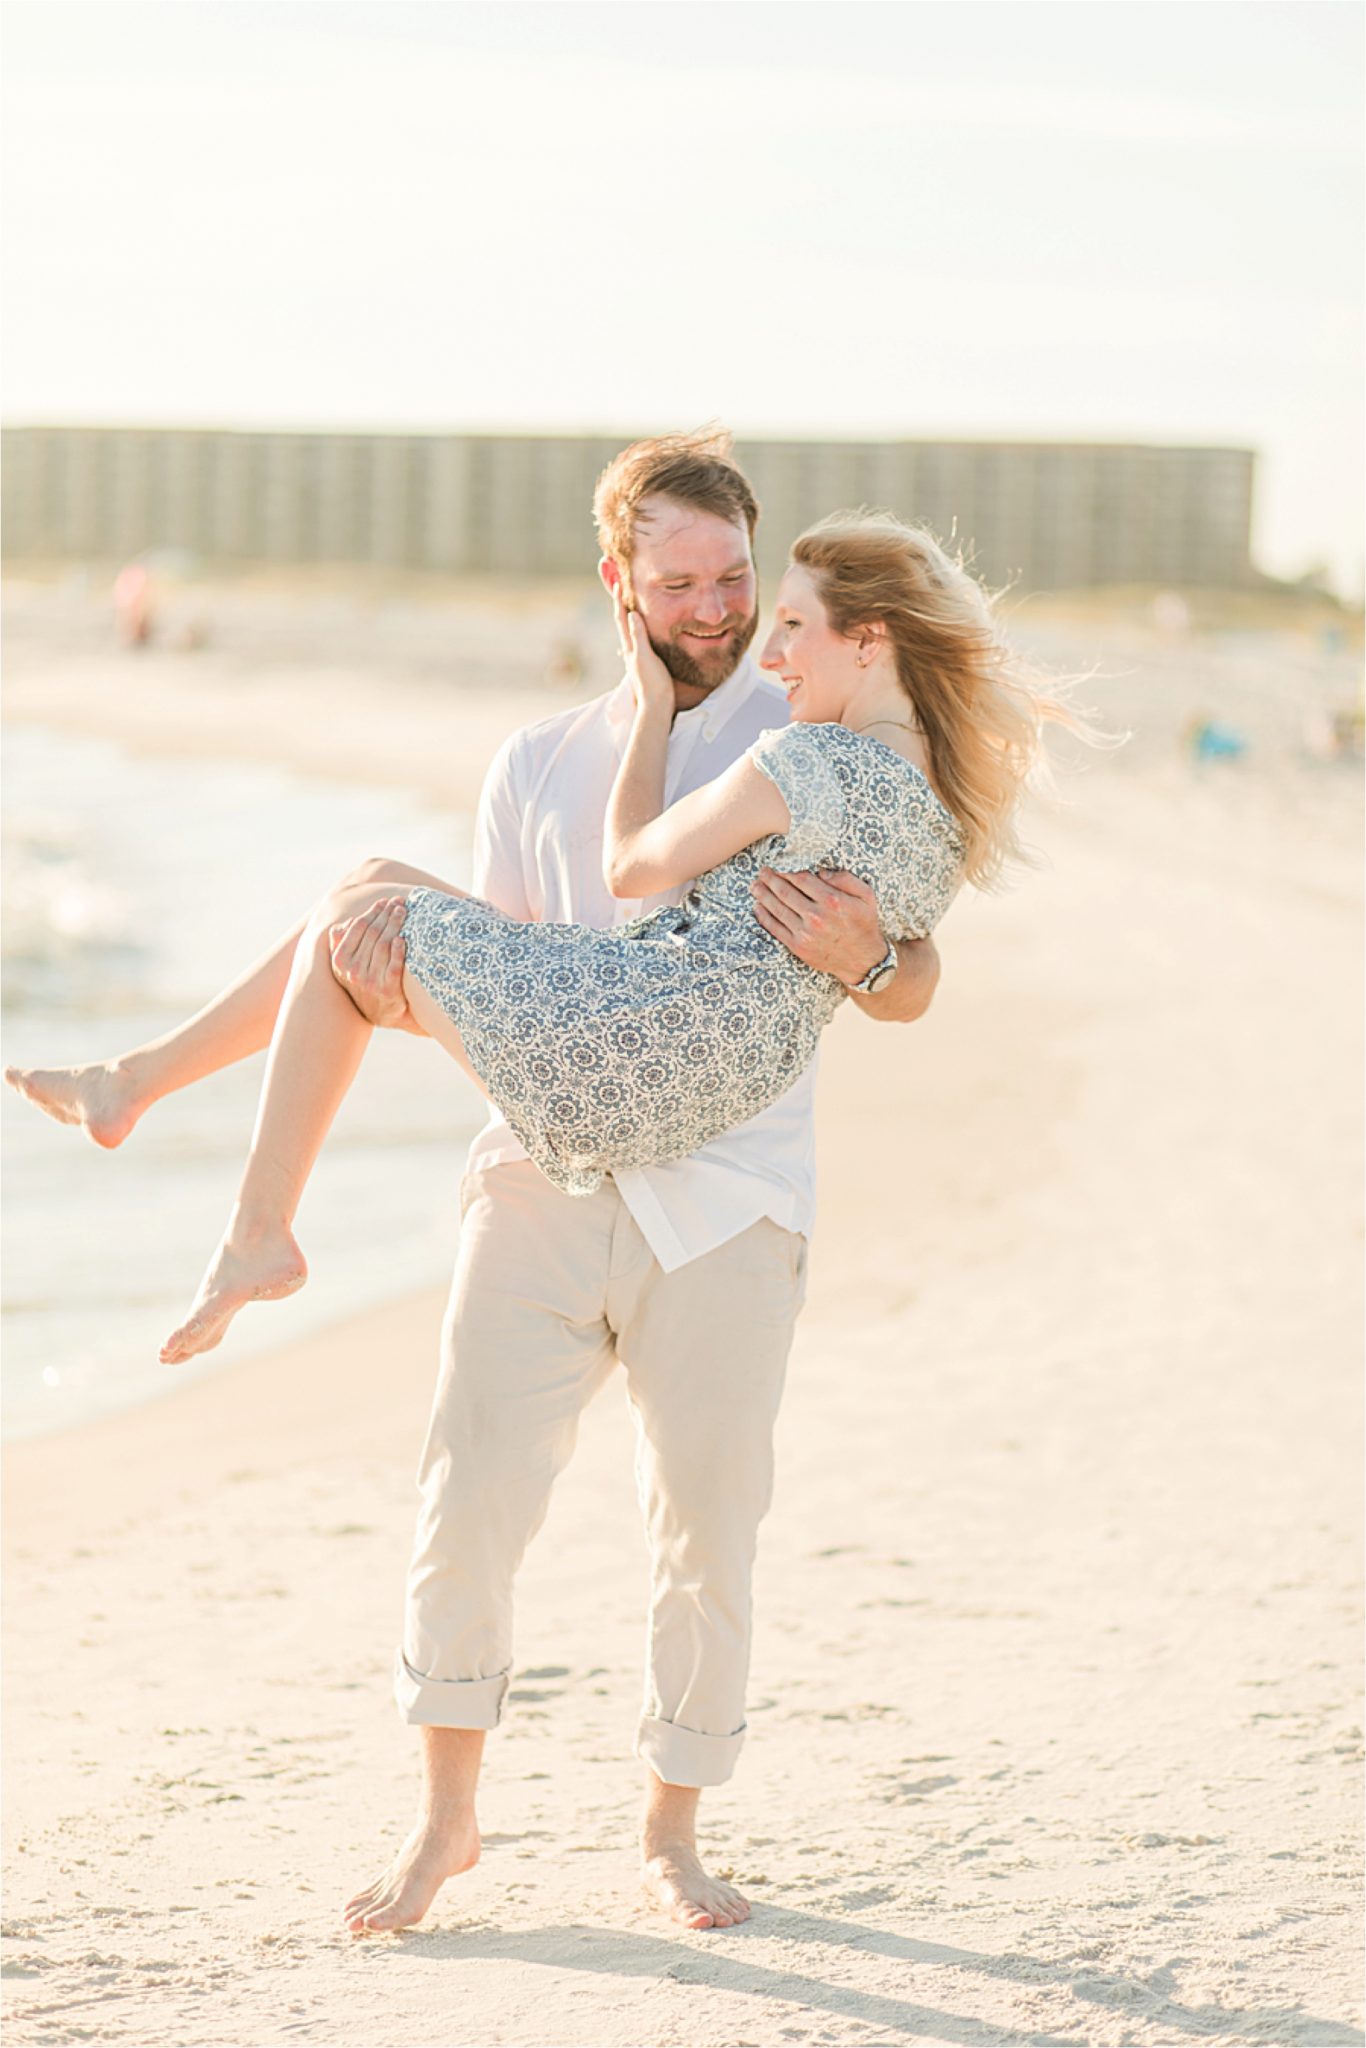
133	889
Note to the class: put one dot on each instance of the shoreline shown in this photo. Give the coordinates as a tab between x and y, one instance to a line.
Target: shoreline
81	1339
327	694
385	740
79	1481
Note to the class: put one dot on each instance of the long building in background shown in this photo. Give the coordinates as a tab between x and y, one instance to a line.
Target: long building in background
1045	515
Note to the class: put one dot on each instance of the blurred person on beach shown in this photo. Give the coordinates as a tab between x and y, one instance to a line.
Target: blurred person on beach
133	604
683	1263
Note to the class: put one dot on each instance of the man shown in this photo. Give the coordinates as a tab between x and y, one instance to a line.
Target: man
688	1277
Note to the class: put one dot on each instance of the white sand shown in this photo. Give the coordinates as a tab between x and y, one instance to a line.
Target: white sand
1055	1723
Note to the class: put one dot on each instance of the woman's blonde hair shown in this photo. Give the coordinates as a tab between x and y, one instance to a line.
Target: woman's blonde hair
979	706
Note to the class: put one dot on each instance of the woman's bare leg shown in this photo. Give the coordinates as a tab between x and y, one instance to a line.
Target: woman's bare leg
318	1043
106	1098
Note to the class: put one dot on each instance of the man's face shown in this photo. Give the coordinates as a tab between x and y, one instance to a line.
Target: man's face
692	578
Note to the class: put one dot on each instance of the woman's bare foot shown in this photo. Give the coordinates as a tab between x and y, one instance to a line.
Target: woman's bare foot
101	1099
433	1852
674	1879
256	1268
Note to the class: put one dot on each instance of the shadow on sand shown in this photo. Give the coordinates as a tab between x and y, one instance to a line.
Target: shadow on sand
719	1961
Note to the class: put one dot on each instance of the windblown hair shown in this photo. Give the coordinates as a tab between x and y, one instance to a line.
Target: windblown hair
980	707
692	469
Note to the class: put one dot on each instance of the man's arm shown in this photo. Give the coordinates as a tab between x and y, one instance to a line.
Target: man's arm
368	953
498	871
830	921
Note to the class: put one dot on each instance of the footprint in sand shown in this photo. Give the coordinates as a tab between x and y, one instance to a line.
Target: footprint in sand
918	1788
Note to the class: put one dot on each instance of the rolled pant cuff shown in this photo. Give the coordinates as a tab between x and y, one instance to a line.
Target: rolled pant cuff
447	1702
680	1756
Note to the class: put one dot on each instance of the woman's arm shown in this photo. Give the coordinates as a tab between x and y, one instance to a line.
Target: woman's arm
647	849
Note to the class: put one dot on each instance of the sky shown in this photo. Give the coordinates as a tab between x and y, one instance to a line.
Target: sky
911	218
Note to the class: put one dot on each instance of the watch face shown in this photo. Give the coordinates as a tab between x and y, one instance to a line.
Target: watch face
880	980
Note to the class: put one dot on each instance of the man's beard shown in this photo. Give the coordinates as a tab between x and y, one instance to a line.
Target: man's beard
703	674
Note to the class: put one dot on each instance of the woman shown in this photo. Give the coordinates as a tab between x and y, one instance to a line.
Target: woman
914	730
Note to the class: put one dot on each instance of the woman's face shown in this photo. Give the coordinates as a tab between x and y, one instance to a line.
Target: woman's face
817	666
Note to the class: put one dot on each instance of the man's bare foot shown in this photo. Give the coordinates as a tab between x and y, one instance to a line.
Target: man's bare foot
433	1852
100	1100
263	1268
674	1879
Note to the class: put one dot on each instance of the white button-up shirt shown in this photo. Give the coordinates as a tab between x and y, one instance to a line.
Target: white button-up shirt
538	855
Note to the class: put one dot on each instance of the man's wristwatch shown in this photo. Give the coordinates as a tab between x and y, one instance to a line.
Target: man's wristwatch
878	976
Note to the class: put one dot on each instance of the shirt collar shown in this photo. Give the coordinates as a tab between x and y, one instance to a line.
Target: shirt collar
713	714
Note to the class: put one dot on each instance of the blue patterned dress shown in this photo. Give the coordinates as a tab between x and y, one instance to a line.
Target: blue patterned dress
637	1045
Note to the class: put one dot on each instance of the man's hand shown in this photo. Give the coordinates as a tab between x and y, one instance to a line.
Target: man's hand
367	959
830	920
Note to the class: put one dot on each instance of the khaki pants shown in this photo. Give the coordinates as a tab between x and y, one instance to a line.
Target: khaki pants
551	1294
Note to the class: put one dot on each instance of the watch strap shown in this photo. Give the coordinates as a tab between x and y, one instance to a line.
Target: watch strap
880	972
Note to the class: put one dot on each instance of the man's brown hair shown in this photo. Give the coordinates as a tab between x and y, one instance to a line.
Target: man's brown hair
691	469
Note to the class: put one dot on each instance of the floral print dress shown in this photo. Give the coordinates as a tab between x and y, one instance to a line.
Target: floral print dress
637	1045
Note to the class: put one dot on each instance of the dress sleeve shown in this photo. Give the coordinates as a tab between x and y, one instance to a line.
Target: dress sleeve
796	759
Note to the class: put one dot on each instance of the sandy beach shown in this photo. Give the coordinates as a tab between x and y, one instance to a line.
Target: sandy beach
1055	1723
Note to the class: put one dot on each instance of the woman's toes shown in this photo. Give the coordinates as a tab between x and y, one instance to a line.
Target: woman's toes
189	1340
